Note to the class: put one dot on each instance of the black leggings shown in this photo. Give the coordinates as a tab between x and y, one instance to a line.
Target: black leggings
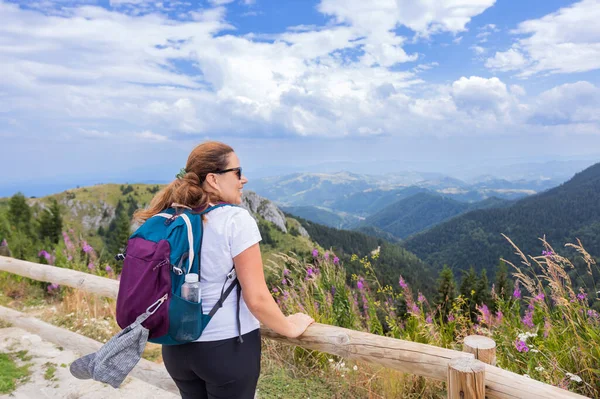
217	369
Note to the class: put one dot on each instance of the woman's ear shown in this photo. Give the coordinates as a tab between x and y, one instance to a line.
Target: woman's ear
211	184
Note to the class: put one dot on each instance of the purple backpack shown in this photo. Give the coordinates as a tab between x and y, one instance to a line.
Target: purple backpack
157	257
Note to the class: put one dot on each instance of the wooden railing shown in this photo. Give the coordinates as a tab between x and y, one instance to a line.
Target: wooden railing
469	374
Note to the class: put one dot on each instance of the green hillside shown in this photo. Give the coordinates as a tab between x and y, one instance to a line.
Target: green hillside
420	212
562	214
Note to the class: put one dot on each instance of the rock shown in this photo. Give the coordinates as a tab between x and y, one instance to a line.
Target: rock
256	204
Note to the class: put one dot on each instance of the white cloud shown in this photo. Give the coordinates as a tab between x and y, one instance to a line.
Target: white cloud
220	2
574	103
483	97
147	135
478	50
565	41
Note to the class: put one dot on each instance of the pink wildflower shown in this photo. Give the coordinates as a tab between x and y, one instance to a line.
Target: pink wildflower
315	253
528	319
402	283
421	298
521	346
336	260
450	318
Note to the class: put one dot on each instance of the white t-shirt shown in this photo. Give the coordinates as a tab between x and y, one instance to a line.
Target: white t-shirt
228	231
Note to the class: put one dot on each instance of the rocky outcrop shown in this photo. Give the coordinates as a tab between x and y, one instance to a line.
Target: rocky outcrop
256	204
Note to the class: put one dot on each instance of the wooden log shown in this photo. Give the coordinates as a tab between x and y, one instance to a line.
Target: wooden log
483	348
466	379
410	357
52	274
152	373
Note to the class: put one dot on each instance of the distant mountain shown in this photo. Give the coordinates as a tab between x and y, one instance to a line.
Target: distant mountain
364	195
322	216
562	214
422	211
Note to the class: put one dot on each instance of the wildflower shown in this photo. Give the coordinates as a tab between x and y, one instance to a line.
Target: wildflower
46	256
485	313
521	346
87	248
360	284
283	281
355	368
574	377
330	360
450	318
53	287
333	290
539	369
402	283
108	269
309	272
4	243
517	291
336	260
91	266
499	316
286	272
528	319
428	320
315	253
547	253
326	255
523	336
547	328
275	289
421	298
539	297
582	296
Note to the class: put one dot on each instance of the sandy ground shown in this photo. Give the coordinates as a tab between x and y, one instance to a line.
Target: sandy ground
63	384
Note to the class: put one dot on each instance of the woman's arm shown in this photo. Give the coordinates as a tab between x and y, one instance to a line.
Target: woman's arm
249	270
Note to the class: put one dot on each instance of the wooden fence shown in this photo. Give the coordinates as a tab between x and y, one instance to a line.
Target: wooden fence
468	374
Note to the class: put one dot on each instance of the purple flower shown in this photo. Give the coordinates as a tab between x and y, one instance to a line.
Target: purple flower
450	318
309	272
91	266
521	346
402	283
87	248
46	255
517	291
359	284
315	253
283	281
67	240
528	319
420	298
428	320
499	316
275	289
333	290
53	287
326	256
547	253
540	297
4	243
582	296
108	269
286	272
485	314
336	260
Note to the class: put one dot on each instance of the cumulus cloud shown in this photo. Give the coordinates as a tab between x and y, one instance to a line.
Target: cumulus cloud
480	96
565	41
573	103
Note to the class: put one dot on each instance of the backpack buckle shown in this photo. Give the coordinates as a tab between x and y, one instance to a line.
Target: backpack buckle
178	271
231	274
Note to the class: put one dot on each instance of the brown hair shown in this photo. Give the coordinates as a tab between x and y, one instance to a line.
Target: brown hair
206	158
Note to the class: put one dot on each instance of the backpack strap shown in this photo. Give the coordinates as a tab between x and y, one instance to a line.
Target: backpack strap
224	294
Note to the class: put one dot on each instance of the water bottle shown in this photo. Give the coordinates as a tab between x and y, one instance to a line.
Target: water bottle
188	324
190	290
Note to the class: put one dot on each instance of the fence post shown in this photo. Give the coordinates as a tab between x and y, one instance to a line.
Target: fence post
483	348
466	379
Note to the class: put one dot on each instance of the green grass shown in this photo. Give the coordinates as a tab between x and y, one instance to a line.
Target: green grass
279	383
50	373
11	374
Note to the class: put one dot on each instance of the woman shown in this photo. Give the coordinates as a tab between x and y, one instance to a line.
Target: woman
218	365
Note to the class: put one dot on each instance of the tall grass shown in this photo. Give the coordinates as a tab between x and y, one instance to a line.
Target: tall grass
546	329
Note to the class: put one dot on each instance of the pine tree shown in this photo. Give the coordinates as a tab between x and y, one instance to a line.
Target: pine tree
51	223
118	232
446	291
503	283
468	290
19	213
482	290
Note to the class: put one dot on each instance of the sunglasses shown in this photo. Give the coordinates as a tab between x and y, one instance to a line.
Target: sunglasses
238	172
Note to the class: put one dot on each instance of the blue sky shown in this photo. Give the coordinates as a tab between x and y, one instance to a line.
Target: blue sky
121	90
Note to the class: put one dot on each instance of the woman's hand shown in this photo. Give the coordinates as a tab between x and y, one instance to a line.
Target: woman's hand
298	323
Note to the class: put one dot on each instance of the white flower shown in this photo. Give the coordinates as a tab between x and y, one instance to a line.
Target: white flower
574	377
539	368
330	360
343	364
523	336
534	351
355	367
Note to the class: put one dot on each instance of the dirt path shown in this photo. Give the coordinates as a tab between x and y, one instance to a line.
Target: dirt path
50	376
